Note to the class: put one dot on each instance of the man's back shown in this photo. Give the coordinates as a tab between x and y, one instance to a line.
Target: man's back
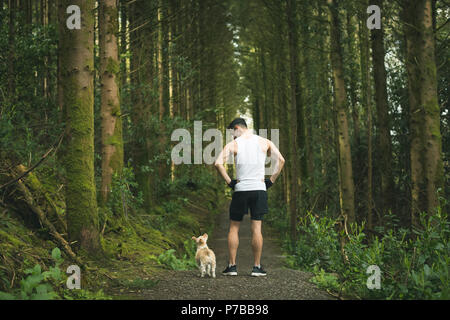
250	162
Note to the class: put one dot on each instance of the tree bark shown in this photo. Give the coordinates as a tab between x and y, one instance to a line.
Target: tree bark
345	160
293	64
12	51
111	121
141	112
426	140
77	67
367	94
160	62
384	142
123	45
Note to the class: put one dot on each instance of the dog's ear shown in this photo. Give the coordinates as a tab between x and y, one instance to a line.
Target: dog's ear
194	238
205	235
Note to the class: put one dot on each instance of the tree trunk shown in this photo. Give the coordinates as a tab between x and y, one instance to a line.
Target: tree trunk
383	121
77	67
140	115
160	62
293	63
111	121
123	45
345	160
367	96
426	140
12	51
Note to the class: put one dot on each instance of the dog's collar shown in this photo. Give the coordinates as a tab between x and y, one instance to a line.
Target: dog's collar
202	247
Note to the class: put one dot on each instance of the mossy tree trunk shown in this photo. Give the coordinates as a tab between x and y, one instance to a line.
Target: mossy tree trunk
345	160
12	6
426	141
294	91
307	113
112	141
161	57
364	40
384	142
357	96
141	80
76	54
160	63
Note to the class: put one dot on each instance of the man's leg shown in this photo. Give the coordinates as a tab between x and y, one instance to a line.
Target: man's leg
233	241
257	241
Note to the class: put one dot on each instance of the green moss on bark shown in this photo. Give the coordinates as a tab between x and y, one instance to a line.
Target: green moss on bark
78	95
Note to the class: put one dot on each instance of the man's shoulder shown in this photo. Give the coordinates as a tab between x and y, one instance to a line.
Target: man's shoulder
262	139
231	145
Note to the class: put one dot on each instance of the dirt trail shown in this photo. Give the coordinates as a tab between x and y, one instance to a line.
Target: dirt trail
279	284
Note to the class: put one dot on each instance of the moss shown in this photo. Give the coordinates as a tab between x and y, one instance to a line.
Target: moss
115	110
111	13
432	110
16	242
112	66
82	220
116	161
137	243
20	249
114	140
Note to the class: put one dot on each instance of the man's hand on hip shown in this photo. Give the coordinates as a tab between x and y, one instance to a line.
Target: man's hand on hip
268	183
232	183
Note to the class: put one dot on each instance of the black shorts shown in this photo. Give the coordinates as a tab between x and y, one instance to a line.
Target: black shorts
255	200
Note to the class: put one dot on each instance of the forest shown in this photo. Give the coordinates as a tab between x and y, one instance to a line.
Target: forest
91	93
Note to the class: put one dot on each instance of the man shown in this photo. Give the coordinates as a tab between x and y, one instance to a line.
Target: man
250	187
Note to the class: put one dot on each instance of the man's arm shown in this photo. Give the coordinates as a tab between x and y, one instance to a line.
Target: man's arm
223	158
274	152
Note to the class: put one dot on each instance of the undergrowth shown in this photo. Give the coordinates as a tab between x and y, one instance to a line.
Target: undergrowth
413	263
137	242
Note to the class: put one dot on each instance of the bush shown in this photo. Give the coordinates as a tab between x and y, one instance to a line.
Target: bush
187	262
413	265
36	286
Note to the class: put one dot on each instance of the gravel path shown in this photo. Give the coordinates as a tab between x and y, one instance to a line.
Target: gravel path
279	284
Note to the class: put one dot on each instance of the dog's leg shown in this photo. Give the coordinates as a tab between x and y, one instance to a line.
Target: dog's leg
213	267
203	270
208	269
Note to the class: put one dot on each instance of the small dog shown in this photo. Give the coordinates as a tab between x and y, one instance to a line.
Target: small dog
205	257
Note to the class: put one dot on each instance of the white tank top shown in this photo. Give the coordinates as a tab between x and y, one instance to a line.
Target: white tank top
250	164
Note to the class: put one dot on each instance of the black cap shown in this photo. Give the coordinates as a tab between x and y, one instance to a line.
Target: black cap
238	121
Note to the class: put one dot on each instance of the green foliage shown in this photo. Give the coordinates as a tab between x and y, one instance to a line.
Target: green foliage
28	118
325	280
187	262
122	199
413	265
318	247
37	285
86	295
48	285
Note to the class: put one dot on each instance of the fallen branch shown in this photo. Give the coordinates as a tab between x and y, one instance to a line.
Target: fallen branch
196	207
30	202
35	185
53	148
334	295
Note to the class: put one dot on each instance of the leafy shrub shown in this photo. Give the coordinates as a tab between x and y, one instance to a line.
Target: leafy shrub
122	198
413	265
325	280
187	262
36	285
